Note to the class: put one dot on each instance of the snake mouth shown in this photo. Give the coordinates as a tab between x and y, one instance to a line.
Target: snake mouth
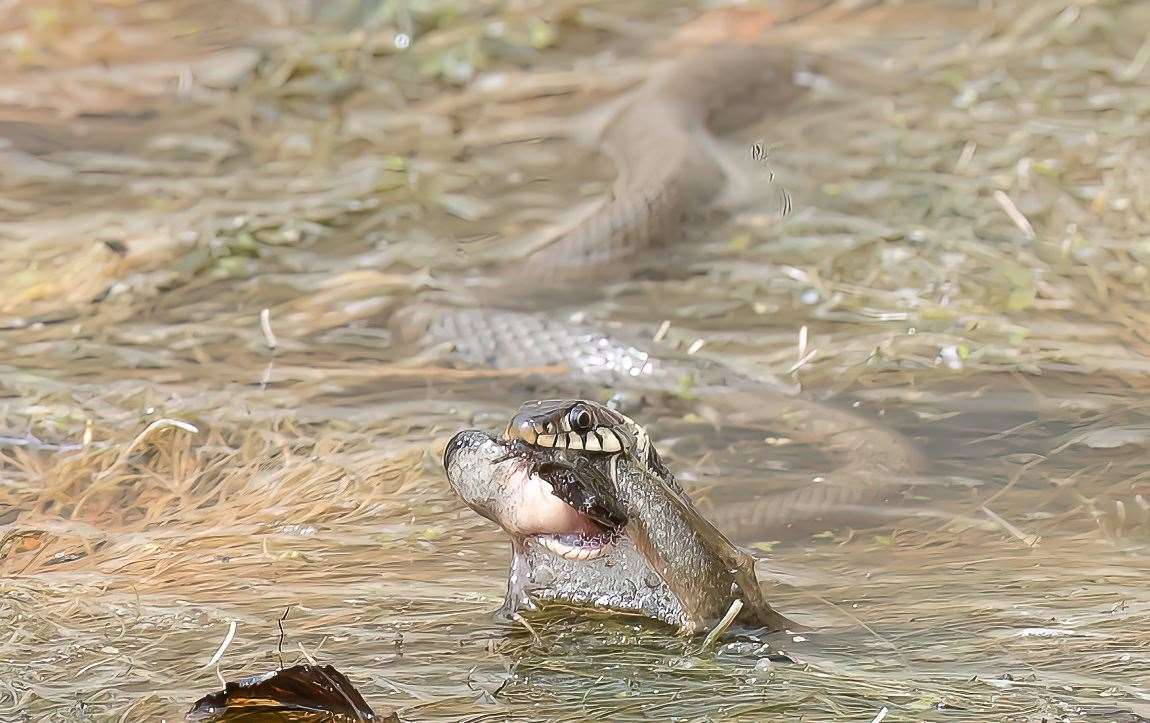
560	509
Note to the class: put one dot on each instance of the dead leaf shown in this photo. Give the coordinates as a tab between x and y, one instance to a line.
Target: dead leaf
301	692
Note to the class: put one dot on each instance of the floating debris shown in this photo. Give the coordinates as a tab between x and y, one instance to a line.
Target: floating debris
301	692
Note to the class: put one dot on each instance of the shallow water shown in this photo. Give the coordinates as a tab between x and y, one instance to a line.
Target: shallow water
966	250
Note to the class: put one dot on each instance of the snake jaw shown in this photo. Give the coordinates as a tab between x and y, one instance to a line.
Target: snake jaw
576	484
570	485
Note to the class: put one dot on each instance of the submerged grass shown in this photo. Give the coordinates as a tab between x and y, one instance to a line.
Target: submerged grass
967	255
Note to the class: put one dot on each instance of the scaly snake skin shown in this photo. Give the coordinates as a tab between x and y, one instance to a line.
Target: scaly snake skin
664	168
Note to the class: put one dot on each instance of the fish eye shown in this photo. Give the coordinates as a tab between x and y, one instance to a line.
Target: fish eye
580	419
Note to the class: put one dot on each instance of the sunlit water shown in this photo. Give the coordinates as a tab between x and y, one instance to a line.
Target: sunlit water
330	181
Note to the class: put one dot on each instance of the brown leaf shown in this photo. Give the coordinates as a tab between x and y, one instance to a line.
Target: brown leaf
301	692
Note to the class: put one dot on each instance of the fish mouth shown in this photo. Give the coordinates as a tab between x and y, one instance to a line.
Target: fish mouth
554	498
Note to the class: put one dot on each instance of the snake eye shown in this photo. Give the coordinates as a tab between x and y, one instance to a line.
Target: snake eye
580	419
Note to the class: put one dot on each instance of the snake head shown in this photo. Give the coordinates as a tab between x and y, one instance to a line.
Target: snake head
574	424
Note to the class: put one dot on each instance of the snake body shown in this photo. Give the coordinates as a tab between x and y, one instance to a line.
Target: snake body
659	143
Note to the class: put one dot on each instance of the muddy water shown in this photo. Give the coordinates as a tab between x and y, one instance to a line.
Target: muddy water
966	251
